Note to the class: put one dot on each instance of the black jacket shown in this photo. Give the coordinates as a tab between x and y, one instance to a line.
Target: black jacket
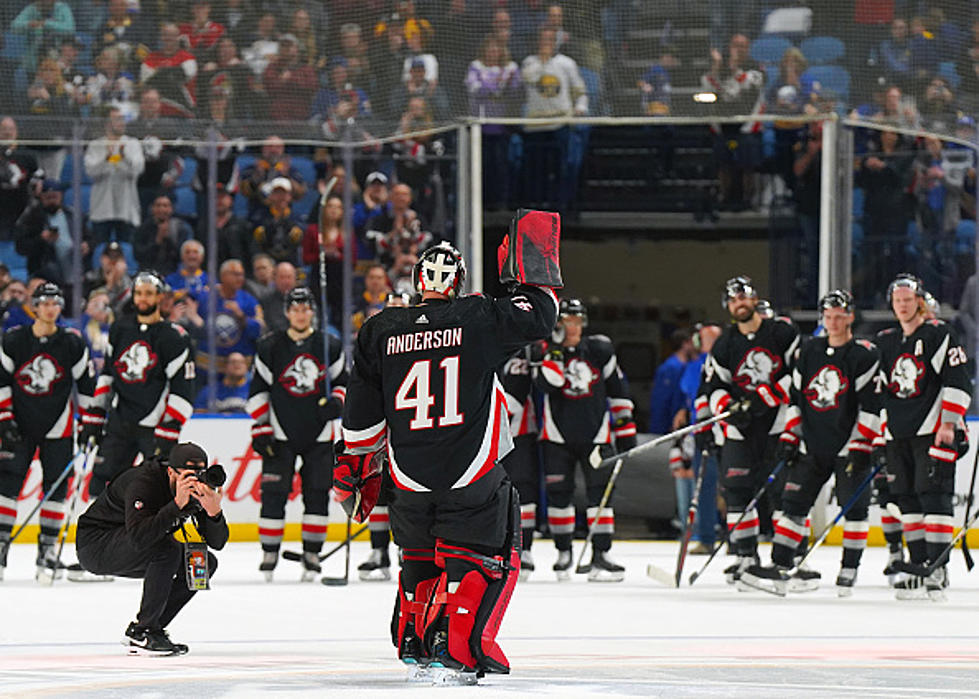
42	260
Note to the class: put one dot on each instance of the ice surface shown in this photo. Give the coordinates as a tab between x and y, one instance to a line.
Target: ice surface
636	638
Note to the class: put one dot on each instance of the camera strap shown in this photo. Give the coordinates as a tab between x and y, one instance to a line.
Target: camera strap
195	563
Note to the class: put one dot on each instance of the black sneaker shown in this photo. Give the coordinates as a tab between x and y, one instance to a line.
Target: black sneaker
142	640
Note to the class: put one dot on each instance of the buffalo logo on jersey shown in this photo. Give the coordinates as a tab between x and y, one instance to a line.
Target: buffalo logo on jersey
825	388
579	377
133	364
758	367
906	376
39	375
302	375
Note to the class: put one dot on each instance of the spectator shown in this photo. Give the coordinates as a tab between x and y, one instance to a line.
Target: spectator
666	399
263	269
202	33
124	30
656	86
111	276
12	304
895	54
234	234
373	300
114	162
302	28
419	58
162	166
190	276
326	231
554	20
18	170
47	96
353	49
45	22
22	312
788	95
372	203
897	111
414	166
239	320
277	230
229	77
968	319
924	49
806	177
341	89
158	240
387	60
395	225
289	83
73	74
111	87
264	45
273	303
5	277
94	326
404	257
968	67
938	107
501	30
739	85
171	71
273	164
45	236
231	392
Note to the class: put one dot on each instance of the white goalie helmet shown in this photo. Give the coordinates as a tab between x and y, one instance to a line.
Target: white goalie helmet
440	269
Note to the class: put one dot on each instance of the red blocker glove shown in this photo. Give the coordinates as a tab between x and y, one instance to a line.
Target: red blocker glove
357	481
530	252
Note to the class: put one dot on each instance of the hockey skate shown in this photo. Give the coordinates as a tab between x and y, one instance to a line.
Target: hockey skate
890	570
49	567
910	587
526	565
604	570
804	579
311	566
771	579
4	548
75	573
269	561
733	572
845	582
936	584
444	670
562	566
142	640
377	567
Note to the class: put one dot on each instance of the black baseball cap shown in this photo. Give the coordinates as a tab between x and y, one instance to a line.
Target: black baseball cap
187	455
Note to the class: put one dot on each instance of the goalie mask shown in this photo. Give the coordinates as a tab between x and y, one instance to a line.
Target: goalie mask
440	269
48	292
906	281
735	286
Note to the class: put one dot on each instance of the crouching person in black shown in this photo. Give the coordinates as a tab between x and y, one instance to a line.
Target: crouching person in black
128	531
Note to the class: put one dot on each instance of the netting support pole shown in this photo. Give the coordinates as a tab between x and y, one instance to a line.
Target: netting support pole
476	204
827	218
212	267
347	300
77	132
462	194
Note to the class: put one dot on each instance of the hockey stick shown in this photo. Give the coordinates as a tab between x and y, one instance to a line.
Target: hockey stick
339	582
751	505
296	556
47	496
598	513
657	573
966	554
91	449
924	571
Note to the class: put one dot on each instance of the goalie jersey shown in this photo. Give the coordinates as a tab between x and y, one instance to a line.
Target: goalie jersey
923	379
288	384
583	394
756	366
150	372
834	404
37	376
424	378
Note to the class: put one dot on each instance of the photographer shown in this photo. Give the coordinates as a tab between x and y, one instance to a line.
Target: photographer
128	532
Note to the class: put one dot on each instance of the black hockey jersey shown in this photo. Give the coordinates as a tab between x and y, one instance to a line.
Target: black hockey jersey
517	387
755	366
425	378
149	370
37	377
581	392
923	380
834	404
289	382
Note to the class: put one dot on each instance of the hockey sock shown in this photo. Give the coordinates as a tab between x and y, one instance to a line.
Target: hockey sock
51	517
854	542
744	539
790	532
561	522
602	539
804	541
914	535
379	525
270	532
938	534
528	522
8	514
893	531
314	532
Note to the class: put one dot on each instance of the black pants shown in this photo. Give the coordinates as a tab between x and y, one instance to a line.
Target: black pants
523	466
165	592
316	475
123	441
55	455
559	466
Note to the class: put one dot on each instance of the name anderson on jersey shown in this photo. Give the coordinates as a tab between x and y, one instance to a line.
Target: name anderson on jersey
424	340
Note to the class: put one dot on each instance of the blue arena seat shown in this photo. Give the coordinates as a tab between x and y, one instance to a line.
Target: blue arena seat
820	50
832	78
769	49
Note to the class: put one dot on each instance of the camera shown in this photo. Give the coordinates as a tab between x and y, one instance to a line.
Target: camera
212	476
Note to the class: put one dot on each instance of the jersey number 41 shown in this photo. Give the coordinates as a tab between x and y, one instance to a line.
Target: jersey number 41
415	393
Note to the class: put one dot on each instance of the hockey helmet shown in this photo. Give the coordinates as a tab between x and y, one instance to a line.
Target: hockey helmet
151	276
738	285
931	304
573	307
906	280
300	294
764	309
48	291
440	269
838	298
397	298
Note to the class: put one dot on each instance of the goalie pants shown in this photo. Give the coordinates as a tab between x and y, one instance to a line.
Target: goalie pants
923	488
559	468
523	466
122	442
745	465
316	477
110	552
54	455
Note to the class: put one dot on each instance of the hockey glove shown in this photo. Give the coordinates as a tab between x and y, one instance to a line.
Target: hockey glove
704	441
530	252
329	408
166	434
9	432
357	481
92	427
857	463
536	352
740	416
788	448
624	430
599	454
263	440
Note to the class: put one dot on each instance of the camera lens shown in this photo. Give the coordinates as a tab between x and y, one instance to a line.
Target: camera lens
214	476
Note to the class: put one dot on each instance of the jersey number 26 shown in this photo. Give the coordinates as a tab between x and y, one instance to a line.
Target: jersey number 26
415	393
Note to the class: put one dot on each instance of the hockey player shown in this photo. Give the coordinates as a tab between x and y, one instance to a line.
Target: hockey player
149	373
424	379
831	424
751	360
295	418
925	392
585	404
523	464
41	364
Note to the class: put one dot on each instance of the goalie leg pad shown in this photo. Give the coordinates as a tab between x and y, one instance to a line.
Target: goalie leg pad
417	583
